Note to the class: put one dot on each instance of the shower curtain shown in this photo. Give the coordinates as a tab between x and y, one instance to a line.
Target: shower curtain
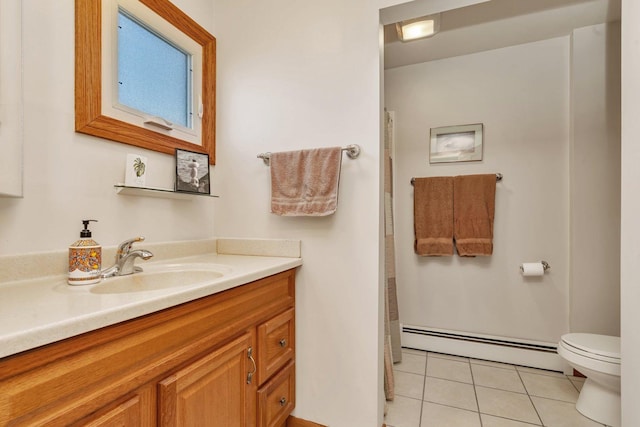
392	346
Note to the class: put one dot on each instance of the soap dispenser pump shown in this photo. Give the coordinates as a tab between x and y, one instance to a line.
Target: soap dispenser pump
85	258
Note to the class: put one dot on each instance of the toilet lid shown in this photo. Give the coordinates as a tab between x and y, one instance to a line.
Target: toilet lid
602	345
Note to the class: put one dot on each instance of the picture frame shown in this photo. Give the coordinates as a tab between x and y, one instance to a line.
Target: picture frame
192	172
136	170
462	143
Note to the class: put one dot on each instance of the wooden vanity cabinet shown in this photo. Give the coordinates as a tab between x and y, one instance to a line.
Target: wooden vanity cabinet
225	360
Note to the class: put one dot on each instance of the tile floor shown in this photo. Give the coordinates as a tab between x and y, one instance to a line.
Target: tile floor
437	390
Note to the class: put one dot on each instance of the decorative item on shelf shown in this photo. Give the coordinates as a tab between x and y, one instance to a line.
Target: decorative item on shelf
192	172
136	170
456	144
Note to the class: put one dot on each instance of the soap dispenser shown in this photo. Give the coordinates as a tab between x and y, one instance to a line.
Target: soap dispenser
85	258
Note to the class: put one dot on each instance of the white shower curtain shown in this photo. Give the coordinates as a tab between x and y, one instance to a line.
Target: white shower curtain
392	347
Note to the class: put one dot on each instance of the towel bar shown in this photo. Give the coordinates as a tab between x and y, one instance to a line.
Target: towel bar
498	178
353	151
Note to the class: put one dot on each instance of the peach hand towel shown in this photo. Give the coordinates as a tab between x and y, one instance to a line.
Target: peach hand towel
433	216
305	182
473	210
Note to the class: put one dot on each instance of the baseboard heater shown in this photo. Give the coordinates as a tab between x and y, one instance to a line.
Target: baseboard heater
535	354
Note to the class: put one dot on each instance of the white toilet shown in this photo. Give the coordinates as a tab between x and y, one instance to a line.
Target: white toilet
598	358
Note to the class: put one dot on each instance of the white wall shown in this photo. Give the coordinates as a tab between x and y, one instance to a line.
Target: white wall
68	176
10	99
595	180
295	75
521	94
630	227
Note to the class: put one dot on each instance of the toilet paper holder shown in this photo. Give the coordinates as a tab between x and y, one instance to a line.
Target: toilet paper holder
545	266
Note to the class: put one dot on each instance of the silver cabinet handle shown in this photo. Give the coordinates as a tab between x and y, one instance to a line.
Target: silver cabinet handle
250	374
283	401
283	343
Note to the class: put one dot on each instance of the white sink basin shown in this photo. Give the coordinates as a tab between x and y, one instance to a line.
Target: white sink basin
161	277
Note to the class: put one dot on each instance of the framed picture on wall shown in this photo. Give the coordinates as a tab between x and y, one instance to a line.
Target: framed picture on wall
461	143
192	172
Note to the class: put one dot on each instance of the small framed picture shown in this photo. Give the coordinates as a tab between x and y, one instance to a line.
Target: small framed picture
456	144
136	170
192	172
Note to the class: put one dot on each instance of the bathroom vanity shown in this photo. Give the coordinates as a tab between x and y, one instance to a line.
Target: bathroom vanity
223	359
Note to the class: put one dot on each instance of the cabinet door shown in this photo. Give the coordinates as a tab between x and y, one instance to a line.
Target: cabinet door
125	414
136	411
212	391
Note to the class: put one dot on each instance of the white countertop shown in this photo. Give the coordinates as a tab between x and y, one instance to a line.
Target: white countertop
40	311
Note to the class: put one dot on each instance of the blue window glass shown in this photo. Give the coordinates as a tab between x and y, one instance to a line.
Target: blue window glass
154	76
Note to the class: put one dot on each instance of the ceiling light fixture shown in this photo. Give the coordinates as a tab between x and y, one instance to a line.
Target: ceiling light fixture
418	28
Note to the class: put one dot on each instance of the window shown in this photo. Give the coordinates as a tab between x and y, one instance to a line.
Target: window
145	75
154	75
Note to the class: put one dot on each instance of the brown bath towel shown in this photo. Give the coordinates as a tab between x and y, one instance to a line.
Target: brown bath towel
305	182
433	216
474	209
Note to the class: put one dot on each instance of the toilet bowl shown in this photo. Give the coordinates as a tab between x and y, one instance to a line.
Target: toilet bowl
598	358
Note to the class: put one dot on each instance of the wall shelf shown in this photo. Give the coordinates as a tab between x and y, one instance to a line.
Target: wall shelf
157	192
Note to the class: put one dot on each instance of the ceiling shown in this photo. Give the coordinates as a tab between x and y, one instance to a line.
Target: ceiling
495	24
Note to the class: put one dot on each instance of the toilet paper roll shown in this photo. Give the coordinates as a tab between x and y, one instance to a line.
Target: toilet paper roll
532	269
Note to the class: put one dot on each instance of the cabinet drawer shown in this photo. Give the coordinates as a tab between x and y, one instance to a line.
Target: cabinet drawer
276	344
276	399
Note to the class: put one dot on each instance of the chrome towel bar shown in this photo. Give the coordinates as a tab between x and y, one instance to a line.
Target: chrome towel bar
353	151
498	178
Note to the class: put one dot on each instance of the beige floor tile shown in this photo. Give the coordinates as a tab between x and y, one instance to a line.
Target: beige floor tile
455	387
449	369
503	379
494	364
434	415
403	412
555	413
413	351
450	393
559	388
449	356
413	363
408	384
491	421
506	404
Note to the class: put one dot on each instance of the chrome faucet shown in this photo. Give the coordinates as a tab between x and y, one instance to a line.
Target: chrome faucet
125	259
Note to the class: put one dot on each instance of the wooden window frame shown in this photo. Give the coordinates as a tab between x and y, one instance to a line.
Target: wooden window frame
89	118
